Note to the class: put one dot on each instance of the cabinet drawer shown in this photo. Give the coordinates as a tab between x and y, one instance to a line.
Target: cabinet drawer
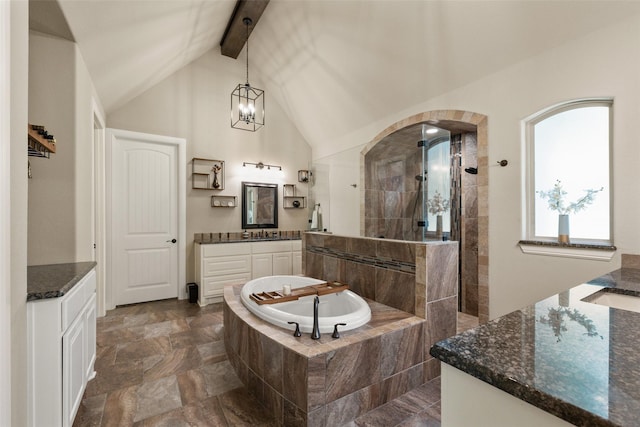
224	249
271	247
74	301
296	245
223	265
214	286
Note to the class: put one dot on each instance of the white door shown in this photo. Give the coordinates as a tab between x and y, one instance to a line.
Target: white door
144	216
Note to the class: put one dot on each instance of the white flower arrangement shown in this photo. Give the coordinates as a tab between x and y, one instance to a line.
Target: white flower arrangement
437	204
556	201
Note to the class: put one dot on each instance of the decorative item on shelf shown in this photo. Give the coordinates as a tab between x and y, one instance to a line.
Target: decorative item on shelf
290	199
261	165
303	175
207	174
437	206
247	102
556	202
223	201
39	142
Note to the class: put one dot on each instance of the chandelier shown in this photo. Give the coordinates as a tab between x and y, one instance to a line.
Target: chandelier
247	102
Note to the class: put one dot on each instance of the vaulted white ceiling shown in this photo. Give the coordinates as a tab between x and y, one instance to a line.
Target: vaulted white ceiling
333	65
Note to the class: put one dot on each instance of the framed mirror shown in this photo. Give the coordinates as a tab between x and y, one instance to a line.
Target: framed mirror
259	205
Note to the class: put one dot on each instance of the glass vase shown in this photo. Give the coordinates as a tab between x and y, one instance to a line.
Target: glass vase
563	229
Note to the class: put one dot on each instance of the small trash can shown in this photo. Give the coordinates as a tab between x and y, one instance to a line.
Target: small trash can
192	291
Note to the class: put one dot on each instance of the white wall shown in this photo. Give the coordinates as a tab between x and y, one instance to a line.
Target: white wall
603	63
18	283
60	192
194	103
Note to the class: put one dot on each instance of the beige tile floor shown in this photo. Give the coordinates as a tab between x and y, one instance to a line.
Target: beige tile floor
164	363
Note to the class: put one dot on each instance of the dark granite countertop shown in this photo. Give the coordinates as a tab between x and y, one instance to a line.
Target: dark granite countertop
54	280
204	241
574	359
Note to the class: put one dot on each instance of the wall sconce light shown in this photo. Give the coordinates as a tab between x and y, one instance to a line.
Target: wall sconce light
303	176
261	165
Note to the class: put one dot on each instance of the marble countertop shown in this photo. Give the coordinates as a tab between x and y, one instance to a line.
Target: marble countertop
54	280
577	360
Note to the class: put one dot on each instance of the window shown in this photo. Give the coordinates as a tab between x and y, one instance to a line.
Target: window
569	151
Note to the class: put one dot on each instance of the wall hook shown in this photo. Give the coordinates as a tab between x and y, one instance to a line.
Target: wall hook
503	163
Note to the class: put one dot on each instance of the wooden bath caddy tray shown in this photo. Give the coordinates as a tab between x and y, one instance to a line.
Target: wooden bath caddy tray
275	297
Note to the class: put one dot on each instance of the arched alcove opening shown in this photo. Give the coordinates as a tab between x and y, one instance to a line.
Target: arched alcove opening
394	192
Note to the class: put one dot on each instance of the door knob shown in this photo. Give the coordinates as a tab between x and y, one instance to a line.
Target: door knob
172	240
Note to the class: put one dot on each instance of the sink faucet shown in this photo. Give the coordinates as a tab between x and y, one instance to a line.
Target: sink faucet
315	334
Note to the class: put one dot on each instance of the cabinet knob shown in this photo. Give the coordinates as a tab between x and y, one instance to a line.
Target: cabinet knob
172	240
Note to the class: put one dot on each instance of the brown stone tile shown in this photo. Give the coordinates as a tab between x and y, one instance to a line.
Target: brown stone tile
120	407
204	320
114	377
316	382
348	408
361	278
156	397
105	356
240	409
362	246
314	265
441	321
400	350
118	336
143	348
338	243
442	271
175	362
401	383
165	328
272	363
352	368
212	352
293	416
255	356
274	404
398	251
90	411
395	289
294	379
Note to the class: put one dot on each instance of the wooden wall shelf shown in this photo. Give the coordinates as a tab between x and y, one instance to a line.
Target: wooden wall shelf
39	142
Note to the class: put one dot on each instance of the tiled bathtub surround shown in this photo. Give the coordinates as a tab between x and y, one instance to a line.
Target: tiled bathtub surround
429	292
326	382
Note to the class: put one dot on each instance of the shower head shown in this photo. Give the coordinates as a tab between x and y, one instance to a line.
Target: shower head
472	171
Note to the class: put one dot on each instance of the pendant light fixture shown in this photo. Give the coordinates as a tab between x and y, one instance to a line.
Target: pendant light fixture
247	102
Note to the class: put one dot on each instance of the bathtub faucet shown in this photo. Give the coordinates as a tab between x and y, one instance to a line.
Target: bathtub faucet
315	334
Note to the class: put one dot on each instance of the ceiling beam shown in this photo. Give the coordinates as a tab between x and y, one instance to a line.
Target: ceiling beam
235	35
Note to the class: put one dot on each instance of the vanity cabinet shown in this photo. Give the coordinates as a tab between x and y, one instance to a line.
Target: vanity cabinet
61	353
223	264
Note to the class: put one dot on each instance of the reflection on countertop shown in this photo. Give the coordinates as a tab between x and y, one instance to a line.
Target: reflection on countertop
252	236
572	358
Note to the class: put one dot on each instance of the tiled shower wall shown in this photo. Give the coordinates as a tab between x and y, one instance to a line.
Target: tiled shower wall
469	226
391	192
415	277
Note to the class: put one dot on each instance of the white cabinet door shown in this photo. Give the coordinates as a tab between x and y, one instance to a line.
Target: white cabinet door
261	265
74	345
297	263
282	263
90	325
